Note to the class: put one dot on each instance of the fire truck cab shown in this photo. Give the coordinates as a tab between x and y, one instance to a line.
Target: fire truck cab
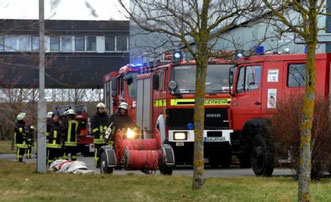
121	86
259	83
165	100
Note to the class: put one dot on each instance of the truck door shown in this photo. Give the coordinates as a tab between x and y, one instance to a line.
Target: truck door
247	102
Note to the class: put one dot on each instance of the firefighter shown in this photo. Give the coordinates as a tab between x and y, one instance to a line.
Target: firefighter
54	140
30	141
100	123
121	120
49	116
71	131
21	137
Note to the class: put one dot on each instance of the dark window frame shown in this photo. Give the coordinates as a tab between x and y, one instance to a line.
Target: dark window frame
87	44
84	46
108	36
288	76
58	44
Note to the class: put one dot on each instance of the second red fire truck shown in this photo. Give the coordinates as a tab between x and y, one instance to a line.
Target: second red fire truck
163	98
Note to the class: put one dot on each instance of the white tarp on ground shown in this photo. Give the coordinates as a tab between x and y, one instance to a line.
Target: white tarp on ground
65	166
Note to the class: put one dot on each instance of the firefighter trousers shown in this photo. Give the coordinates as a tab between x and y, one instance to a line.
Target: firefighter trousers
97	153
20	153
28	152
72	150
53	154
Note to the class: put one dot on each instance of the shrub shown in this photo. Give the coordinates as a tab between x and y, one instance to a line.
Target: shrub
286	134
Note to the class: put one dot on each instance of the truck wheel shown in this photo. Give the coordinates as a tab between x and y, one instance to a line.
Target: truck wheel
226	160
166	170
262	160
104	169
244	160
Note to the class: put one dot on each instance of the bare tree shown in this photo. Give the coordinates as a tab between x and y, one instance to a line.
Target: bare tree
301	18
193	24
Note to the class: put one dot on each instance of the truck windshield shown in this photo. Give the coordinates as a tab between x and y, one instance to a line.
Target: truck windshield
217	79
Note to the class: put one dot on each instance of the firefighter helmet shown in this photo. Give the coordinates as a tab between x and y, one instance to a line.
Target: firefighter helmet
21	116
101	105
49	115
124	105
70	111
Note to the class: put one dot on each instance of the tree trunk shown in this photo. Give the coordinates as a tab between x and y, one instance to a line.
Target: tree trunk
199	117
306	125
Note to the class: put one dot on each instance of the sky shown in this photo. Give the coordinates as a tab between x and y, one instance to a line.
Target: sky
64	10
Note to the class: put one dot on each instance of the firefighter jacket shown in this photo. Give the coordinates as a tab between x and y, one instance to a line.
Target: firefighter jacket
71	131
29	135
20	135
54	139
121	122
99	123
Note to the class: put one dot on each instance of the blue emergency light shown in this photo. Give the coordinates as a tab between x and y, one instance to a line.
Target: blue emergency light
259	50
178	55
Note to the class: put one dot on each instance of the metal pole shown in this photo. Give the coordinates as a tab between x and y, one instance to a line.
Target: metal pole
41	150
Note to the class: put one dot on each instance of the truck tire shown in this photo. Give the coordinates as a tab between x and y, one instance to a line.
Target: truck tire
104	169
166	170
262	159
244	160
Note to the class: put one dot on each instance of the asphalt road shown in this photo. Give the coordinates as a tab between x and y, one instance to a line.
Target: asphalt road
233	171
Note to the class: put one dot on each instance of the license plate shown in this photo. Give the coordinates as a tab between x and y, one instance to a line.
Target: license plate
179	144
215	139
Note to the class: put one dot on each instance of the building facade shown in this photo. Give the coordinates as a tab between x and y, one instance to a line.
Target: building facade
78	53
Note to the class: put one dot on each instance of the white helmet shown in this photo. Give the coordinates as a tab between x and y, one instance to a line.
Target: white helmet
70	111
49	115
32	127
21	116
124	105
101	105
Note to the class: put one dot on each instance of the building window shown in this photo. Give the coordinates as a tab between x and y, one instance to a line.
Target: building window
91	43
79	43
2	43
24	43
35	43
66	43
110	43
121	43
10	43
296	75
55	43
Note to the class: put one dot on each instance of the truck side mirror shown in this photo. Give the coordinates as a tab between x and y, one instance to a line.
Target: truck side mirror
114	83
231	79
114	93
114	87
156	82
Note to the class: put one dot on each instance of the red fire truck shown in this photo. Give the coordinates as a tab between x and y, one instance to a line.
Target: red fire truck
84	140
164	99
119	86
259	83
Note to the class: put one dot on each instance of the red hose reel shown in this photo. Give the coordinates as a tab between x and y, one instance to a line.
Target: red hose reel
142	154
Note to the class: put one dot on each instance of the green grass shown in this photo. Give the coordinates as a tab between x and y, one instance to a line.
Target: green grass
5	146
20	182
